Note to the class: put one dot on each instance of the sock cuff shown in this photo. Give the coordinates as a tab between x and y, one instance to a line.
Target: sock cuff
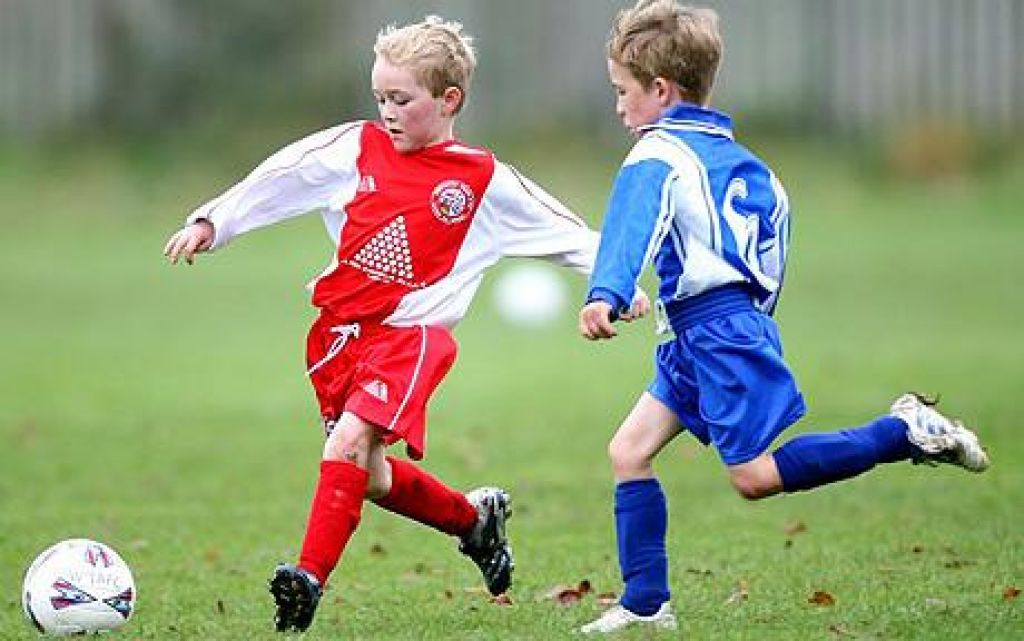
344	470
630	495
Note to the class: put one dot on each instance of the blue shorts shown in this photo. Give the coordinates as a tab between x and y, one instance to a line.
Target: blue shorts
724	377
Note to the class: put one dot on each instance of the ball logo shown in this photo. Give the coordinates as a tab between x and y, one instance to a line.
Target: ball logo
66	595
452	201
96	556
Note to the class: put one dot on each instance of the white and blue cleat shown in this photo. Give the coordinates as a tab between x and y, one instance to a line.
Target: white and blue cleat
940	439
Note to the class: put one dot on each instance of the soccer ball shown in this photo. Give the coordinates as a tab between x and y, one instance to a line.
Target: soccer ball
78	586
530	295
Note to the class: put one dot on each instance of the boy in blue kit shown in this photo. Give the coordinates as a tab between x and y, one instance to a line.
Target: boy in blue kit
714	221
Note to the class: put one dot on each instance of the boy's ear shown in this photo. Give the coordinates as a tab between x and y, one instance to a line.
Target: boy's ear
451	100
667	91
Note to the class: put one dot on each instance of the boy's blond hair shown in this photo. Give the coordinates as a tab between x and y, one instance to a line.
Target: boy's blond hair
439	54
660	38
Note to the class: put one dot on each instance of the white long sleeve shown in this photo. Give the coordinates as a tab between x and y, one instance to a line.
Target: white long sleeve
532	223
300	178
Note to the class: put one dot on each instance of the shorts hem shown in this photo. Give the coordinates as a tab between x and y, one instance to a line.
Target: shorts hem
750	455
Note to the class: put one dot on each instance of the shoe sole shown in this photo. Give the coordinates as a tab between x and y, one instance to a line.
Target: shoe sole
500	505
293	604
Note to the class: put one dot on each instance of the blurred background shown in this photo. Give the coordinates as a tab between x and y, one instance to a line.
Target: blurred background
160	67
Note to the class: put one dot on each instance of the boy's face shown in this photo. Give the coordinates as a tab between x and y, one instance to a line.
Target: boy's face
635	105
413	118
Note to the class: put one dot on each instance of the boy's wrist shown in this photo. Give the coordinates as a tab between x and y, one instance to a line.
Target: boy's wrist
617	304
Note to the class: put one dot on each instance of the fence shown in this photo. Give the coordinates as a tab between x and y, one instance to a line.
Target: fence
836	65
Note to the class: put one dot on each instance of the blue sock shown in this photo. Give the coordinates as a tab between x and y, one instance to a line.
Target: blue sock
810	460
641	519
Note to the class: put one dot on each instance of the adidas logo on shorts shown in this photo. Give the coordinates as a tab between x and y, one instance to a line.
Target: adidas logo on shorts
377	389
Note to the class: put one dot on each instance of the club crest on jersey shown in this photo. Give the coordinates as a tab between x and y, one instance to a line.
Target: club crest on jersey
452	201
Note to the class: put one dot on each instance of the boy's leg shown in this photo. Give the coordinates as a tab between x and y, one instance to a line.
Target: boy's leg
415	494
477	518
810	460
641	516
913	431
334	515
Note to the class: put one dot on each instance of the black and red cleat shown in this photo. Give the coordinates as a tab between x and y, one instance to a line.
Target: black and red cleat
296	593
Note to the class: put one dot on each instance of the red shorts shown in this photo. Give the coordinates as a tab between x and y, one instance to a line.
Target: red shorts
384	375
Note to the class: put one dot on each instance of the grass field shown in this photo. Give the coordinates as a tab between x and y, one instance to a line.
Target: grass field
165	412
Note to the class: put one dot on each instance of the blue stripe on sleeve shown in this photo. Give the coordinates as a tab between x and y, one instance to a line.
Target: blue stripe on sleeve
634	209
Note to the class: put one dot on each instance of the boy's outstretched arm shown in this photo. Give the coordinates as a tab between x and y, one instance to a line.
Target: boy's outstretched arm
298	179
189	241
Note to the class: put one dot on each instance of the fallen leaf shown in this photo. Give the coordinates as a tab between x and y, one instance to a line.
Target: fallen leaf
501	599
1011	592
563	595
820	597
606	598
739	594
796	527
567	594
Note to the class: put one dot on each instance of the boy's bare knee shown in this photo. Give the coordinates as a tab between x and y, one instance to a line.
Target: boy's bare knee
755	480
627	462
749	488
350	442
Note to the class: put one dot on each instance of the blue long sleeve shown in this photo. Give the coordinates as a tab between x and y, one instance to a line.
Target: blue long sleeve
637	209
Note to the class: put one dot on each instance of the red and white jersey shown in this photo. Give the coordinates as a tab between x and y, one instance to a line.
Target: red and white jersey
414	232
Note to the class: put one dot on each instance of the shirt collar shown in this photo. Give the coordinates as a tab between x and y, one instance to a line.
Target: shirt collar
689	117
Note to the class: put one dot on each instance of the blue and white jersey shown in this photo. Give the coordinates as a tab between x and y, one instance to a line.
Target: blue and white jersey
700	206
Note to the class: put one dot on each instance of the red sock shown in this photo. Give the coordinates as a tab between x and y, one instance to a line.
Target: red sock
421	497
333	517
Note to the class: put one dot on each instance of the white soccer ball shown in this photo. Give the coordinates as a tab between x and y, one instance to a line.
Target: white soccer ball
530	295
78	586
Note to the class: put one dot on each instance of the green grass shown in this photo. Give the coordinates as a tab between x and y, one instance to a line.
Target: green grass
165	412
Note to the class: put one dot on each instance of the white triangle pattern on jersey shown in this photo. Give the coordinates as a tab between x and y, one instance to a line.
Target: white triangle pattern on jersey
386	256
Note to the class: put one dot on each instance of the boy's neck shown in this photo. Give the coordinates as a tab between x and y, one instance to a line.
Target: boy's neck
686	103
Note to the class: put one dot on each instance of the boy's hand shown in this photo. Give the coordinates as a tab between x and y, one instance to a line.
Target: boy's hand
595	321
641	307
189	241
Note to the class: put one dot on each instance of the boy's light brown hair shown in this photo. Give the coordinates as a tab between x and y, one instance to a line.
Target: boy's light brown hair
439	54
660	38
